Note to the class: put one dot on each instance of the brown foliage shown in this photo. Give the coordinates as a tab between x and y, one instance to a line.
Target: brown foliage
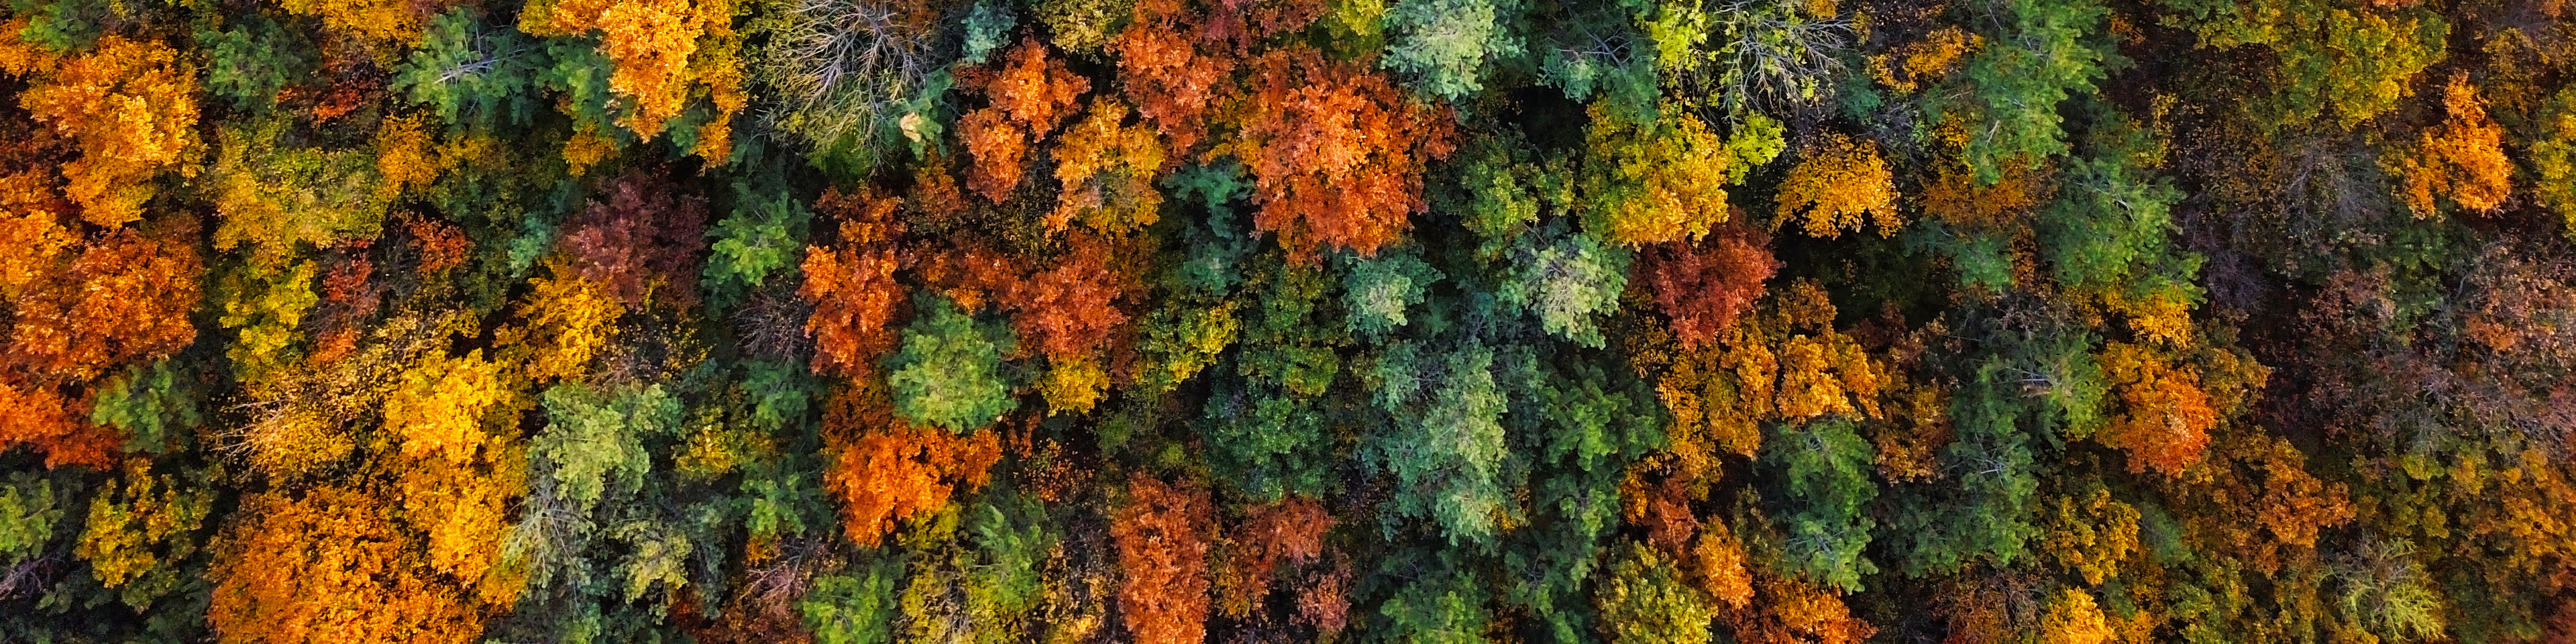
1163	534
642	243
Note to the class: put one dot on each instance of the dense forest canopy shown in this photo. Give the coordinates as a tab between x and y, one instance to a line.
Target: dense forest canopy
1074	321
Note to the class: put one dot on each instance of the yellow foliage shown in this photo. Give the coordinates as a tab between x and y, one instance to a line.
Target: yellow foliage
2163	316
1108	172
406	156
1937	54
384	20
438	406
569	319
1662	182
130	104
2462	160
2090	534
1836	185
127	522
276	196
2073	618
1073	384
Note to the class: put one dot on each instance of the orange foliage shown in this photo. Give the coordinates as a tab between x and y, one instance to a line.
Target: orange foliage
332	567
1789	611
1702	287
131	106
1163	534
1336	152
126	298
853	289
1069	310
665	53
886	470
1030	94
40	417
1838	183
2462	160
2166	421
1291	530
1174	84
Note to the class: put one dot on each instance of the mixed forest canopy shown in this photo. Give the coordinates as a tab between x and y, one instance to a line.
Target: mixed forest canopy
1250	321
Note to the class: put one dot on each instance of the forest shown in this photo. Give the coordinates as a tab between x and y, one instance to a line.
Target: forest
1267	321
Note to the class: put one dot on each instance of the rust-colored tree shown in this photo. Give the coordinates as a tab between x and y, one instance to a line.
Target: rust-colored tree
641	244
1031	93
852	287
1336	152
1163	533
885	470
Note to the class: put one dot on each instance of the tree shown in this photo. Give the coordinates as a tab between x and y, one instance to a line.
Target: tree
1108	172
1336	153
949	373
2036	60
885	469
1836	185
665	56
1566	280
1824	469
1702	288
1163	535
131	107
1643	601
2461	161
642	240
1654	182
1445	45
331	566
853	290
2166	420
1031	94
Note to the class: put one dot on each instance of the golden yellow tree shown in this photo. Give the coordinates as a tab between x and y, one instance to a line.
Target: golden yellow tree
1840	186
131	105
2462	160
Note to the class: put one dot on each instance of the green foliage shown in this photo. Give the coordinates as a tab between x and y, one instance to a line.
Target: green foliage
855	607
765	233
1445	447
949	372
473	74
1444	45
2044	53
30	514
1011	532
253	59
1378	290
2109	222
1567	281
1826	491
593	445
150	404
